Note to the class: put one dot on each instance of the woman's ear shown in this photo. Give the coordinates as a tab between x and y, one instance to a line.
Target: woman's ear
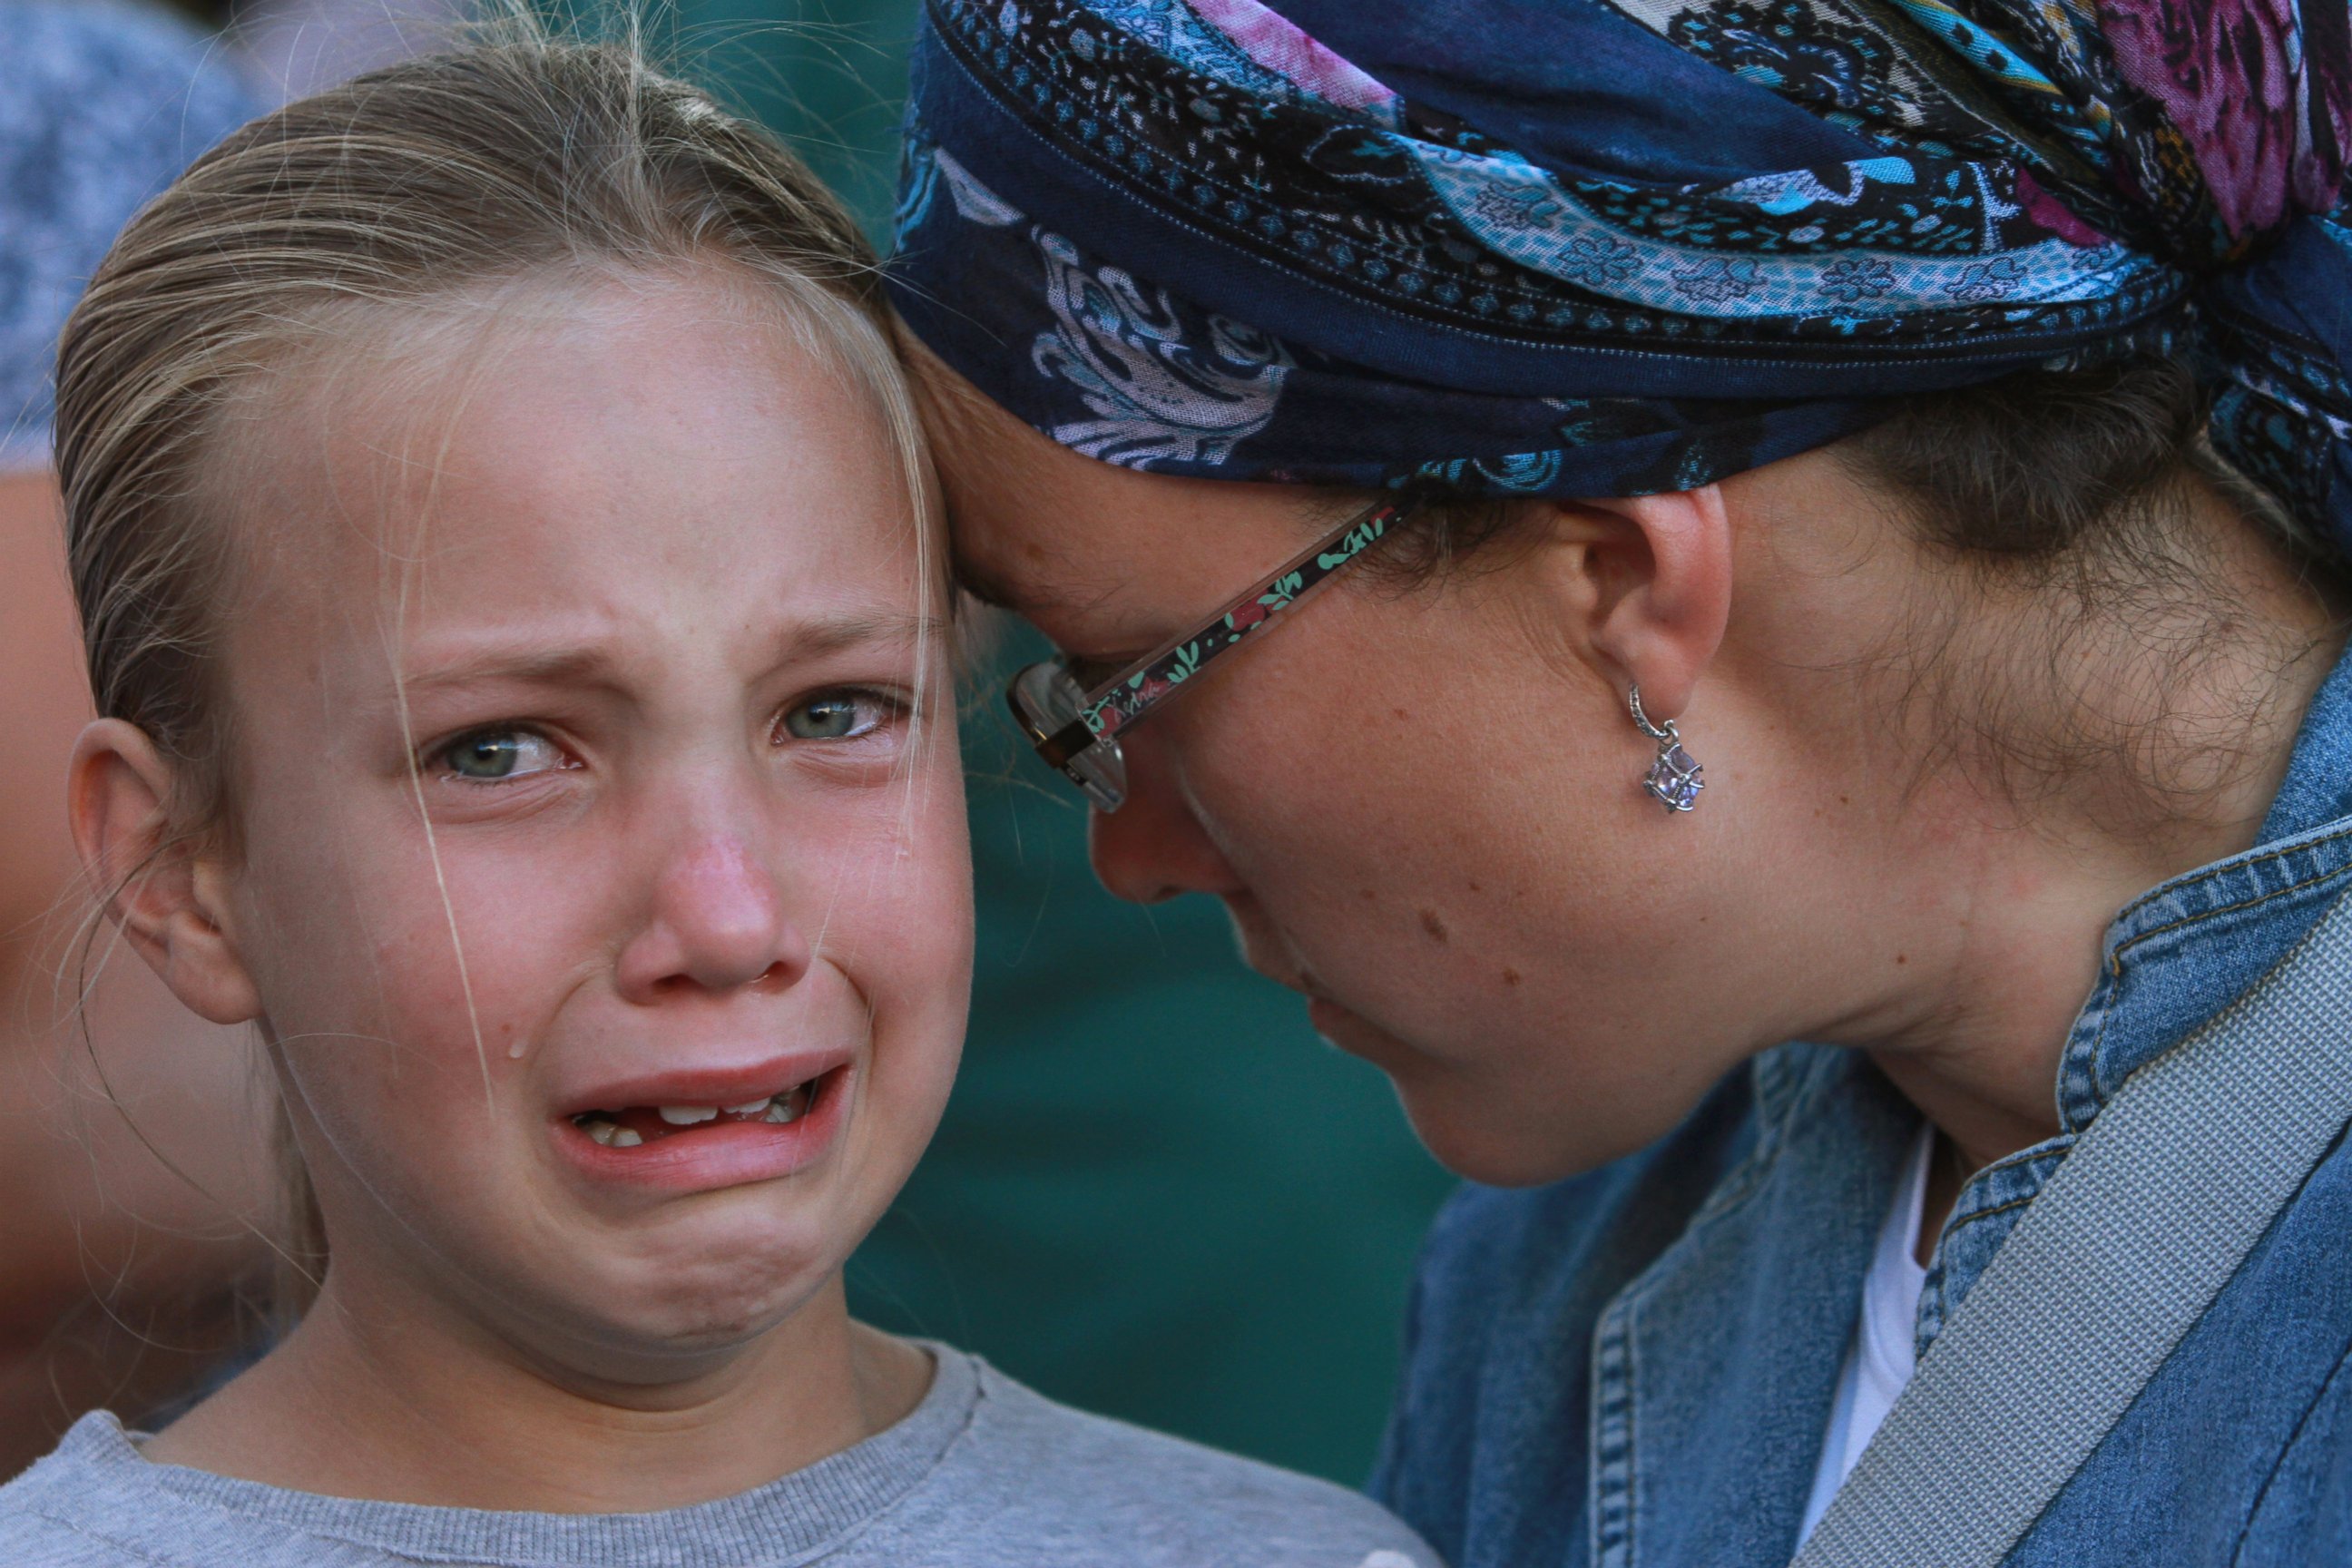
168	898
1652	579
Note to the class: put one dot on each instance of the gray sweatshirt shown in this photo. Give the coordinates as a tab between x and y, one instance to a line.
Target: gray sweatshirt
984	1474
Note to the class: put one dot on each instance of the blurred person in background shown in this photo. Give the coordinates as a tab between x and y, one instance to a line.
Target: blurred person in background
131	1177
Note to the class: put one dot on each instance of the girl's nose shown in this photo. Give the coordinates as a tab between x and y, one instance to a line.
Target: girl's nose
1154	847
716	923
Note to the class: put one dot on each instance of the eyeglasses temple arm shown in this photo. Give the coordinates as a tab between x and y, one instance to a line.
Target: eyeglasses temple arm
1312	568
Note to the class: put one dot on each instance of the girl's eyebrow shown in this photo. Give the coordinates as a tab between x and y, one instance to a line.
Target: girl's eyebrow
542	660
831	634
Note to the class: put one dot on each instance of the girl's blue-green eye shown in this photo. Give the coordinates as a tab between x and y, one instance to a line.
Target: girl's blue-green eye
835	716
489	756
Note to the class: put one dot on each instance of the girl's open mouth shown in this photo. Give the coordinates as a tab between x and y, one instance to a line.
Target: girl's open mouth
684	1146
631	1126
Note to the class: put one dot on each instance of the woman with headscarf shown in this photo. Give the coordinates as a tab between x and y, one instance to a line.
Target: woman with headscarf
1825	777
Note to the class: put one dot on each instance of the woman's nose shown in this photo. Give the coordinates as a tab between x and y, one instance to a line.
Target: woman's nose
717	922
1154	847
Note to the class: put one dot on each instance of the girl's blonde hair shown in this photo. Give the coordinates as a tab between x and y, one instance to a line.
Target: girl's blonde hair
457	171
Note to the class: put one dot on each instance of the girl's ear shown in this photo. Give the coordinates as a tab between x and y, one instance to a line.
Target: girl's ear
170	901
1649	579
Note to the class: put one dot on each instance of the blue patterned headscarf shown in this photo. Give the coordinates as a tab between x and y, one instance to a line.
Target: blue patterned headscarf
1611	246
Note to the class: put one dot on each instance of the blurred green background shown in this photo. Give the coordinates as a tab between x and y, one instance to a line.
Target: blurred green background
1156	1194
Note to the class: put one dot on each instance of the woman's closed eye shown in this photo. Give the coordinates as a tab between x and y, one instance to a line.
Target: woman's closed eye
1092	673
499	756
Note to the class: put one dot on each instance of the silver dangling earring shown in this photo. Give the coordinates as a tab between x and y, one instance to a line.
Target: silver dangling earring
1673	779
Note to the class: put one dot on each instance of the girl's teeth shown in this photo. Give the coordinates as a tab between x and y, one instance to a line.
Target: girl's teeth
789	1105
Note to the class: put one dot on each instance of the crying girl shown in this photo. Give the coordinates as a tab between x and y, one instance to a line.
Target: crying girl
518	616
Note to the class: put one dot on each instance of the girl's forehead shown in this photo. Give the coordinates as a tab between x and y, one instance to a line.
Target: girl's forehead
641	442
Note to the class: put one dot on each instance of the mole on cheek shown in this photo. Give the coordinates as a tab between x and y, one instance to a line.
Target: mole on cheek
1434	926
1510	977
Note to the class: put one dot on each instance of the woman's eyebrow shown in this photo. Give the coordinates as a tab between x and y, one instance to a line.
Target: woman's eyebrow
1030	601
983	587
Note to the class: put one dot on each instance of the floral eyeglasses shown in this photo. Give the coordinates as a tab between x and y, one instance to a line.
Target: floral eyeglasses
1076	730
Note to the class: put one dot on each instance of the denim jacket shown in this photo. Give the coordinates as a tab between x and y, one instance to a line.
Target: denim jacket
1633	1368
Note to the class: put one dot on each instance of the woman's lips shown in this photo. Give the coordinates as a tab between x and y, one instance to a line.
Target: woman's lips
1326	1016
1354	1033
700	1154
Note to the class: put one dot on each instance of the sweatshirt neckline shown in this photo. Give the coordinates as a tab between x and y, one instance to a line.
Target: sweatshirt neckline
790	1516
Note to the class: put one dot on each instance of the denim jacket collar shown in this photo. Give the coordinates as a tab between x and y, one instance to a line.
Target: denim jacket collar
2195	942
1715	1368
2172	960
